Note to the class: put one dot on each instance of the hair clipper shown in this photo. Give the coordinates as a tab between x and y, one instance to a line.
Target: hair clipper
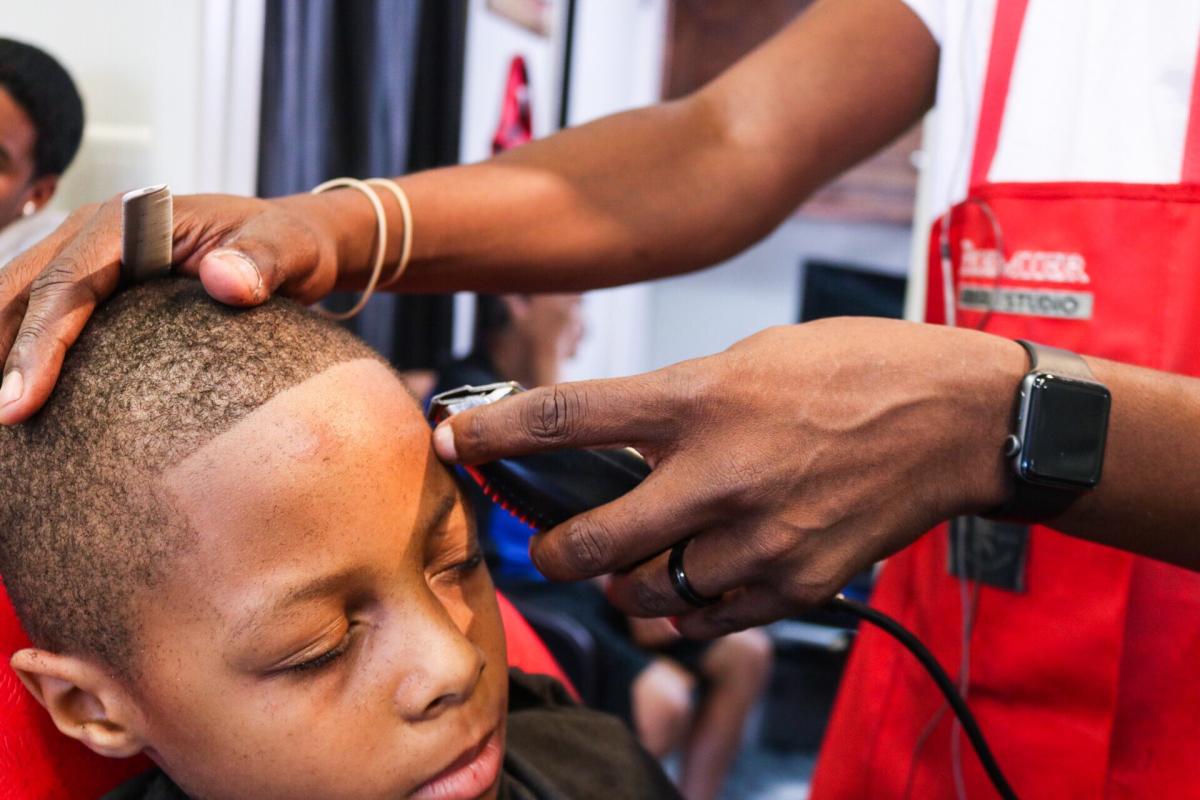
544	489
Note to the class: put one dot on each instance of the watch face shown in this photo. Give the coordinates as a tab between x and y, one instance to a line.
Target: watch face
1065	423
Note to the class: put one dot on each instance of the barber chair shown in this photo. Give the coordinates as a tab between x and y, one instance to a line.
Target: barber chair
572	646
39	763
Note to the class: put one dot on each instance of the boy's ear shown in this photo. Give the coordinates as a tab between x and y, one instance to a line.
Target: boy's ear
84	700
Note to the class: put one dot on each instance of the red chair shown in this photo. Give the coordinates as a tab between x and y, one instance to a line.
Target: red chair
39	763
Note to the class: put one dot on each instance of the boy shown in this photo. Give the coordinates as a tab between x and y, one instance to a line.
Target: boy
252	568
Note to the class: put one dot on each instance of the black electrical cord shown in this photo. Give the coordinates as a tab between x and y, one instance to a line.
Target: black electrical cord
931	665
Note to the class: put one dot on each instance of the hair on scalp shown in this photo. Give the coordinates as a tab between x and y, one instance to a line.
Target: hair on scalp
158	373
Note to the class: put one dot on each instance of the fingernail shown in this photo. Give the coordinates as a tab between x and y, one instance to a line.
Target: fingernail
443	442
14	384
245	268
674	623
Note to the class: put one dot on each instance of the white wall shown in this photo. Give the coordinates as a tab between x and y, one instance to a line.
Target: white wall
617	64
492	41
703	313
170	90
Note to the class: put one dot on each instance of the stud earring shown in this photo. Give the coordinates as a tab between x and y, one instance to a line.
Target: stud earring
28	209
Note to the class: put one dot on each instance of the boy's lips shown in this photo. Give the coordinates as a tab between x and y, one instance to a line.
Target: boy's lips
469	775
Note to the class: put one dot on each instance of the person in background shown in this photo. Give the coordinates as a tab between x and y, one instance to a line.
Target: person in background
41	125
648	674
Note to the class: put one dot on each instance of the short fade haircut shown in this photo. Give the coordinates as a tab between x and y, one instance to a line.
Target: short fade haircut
44	89
159	372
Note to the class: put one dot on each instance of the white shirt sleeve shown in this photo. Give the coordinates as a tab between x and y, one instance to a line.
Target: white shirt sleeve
932	13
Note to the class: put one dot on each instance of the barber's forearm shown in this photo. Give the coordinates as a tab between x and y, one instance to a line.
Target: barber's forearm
637	195
669	188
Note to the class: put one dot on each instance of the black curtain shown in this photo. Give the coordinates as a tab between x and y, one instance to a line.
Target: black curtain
365	88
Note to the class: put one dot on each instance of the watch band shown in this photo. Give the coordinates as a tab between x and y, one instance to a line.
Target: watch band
1031	502
1043	358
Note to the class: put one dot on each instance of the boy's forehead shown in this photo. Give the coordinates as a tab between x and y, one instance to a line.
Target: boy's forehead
341	403
318	453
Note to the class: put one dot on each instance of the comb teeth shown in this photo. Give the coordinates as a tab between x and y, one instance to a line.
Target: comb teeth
147	233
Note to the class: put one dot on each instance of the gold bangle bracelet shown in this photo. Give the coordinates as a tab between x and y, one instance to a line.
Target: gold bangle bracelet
380	242
406	214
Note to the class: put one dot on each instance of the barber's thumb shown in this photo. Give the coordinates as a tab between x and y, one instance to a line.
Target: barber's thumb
233	277
443	442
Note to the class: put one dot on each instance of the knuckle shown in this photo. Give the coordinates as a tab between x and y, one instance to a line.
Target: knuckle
63	279
810	589
649	595
693	386
476	431
61	275
762	546
27	337
585	548
746	479
551	416
721	620
33	333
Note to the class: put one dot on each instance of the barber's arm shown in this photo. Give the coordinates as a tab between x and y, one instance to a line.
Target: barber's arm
806	453
634	196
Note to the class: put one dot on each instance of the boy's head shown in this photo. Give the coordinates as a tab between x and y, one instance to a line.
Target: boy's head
234	549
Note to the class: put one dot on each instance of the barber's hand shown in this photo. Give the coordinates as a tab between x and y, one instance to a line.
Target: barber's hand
796	458
242	249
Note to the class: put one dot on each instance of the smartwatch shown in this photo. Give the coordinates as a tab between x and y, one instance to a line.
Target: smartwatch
1057	444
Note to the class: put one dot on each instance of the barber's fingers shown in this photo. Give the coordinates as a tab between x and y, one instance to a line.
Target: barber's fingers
714	563
747	607
15	277
757	573
263	256
661	511
637	410
71	274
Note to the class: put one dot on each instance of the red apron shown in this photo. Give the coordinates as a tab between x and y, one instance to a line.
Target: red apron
1087	684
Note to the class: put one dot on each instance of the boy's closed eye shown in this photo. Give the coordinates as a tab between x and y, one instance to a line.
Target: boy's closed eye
307	662
452	556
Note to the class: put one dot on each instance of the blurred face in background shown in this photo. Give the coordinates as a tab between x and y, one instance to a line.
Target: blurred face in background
543	331
20	192
549	322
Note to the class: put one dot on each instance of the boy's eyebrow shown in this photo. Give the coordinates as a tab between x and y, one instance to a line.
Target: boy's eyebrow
335	581
432	522
321	587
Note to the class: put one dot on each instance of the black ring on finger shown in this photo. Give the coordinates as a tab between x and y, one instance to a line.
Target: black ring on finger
679	578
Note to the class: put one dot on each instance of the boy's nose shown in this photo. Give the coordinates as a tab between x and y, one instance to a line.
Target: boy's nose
443	676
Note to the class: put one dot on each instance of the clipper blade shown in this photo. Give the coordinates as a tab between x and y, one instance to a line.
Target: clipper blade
147	233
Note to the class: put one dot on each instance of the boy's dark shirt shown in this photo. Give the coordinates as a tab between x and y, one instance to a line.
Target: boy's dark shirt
556	749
